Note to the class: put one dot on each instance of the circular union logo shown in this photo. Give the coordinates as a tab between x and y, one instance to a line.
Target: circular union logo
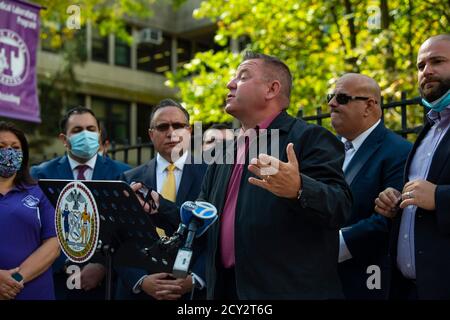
77	222
14	58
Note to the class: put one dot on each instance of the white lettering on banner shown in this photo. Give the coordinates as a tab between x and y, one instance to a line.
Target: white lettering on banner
24	12
14	58
10	98
18	11
5	6
26	23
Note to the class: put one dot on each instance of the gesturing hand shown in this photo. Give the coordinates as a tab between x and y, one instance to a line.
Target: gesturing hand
280	178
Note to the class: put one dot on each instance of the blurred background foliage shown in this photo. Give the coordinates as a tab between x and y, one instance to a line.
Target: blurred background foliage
319	40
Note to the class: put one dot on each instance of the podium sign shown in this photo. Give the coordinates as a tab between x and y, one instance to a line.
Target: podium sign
77	222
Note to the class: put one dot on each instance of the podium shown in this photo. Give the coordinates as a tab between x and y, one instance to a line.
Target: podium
105	217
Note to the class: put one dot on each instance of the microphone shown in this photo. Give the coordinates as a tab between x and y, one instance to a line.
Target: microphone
198	216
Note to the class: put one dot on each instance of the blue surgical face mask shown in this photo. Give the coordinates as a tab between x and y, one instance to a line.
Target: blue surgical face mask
10	161
84	144
439	104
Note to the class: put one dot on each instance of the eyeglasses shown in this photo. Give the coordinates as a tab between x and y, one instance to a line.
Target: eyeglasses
342	98
162	127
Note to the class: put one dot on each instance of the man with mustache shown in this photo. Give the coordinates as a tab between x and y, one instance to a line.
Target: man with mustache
420	239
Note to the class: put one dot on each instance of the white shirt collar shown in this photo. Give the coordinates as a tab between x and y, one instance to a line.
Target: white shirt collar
162	164
359	140
90	163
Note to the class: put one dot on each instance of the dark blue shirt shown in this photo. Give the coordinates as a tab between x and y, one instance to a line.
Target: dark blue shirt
27	218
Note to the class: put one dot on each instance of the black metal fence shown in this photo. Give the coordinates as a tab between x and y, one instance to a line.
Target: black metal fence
404	105
125	152
143	151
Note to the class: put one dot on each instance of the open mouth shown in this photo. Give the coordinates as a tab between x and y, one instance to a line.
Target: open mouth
229	97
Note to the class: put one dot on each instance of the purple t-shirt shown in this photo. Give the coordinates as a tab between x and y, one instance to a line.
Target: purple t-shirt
27	218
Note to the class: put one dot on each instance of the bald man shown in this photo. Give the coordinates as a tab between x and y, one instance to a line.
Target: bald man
374	160
420	208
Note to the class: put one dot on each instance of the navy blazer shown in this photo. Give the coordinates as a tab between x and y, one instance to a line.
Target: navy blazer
59	168
189	189
378	164
432	229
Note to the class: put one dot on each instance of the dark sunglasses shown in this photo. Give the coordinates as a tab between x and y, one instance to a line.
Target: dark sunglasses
162	127
342	98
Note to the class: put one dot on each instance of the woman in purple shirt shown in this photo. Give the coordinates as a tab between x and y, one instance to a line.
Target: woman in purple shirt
28	243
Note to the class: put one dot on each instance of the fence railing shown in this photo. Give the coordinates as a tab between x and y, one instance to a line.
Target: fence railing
125	152
137	148
403	104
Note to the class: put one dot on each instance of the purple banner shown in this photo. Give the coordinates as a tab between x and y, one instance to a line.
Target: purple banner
19	36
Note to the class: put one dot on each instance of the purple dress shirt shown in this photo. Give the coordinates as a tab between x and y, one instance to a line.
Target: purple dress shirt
228	215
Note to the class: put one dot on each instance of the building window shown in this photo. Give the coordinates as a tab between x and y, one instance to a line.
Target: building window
184	49
122	51
115	117
154	57
100	46
205	42
143	124
75	100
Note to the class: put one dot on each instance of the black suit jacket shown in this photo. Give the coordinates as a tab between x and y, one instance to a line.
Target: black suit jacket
189	189
285	249
432	228
378	164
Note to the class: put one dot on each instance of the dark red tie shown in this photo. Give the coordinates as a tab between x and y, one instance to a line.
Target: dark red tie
81	170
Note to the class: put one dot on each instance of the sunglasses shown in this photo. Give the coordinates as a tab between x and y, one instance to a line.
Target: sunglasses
342	98
163	127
